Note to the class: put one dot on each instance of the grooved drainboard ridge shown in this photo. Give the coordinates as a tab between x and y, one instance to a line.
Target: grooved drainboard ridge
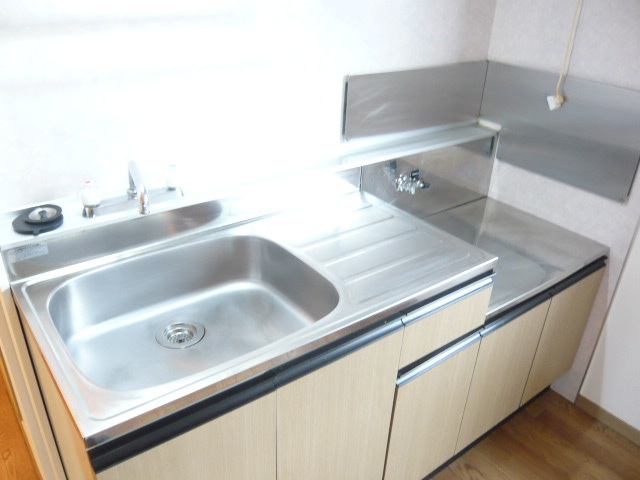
402	273
342	244
382	253
419	261
351	268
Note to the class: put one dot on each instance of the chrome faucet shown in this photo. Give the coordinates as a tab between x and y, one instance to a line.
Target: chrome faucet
94	205
137	188
411	182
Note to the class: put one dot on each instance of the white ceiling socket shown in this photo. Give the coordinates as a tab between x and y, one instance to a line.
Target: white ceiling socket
555	102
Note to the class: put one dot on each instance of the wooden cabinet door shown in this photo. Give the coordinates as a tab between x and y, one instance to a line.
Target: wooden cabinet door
334	423
504	361
427	417
566	321
238	445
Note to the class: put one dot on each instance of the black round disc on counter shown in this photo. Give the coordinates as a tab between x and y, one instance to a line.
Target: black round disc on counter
39	220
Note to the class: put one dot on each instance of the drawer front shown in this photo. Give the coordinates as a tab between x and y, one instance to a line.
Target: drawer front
438	327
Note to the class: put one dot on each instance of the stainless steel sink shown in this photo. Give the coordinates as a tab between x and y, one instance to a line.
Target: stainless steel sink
163	316
134	326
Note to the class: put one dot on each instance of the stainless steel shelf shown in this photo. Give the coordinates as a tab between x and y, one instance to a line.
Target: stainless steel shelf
388	147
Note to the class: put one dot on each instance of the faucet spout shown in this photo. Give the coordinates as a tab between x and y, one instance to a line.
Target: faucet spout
137	189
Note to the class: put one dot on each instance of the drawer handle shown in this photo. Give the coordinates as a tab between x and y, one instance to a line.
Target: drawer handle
437	359
447	300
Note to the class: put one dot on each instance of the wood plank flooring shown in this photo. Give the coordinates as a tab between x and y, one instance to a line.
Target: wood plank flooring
16	462
551	439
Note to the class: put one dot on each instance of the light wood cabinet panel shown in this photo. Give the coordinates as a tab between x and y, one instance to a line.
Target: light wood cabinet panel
444	326
504	361
566	321
427	417
334	423
25	387
68	438
238	445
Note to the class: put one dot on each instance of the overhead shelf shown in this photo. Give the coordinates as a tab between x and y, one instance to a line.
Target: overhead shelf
389	147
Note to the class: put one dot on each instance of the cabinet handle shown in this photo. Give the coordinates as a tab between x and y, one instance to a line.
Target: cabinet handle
447	300
438	359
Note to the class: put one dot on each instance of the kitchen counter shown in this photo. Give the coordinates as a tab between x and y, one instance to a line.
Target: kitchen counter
533	254
382	261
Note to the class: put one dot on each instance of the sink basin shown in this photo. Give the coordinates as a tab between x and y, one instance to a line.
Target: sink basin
160	317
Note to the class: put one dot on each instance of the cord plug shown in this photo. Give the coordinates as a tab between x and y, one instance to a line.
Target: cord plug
555	102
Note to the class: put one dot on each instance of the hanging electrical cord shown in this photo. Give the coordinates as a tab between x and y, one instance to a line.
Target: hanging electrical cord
556	101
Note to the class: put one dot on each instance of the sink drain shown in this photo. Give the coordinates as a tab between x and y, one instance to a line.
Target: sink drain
179	335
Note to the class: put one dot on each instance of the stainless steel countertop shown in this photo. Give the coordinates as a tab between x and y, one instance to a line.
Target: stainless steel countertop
533	254
381	259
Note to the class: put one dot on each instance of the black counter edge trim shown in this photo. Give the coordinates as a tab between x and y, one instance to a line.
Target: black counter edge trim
505	317
579	275
534	301
133	443
512	313
449	291
122	448
483	436
430	355
336	350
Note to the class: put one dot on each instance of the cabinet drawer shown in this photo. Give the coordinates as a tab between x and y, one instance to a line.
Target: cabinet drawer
445	320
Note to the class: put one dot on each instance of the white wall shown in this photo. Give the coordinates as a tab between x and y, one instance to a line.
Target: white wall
607	49
613	380
225	88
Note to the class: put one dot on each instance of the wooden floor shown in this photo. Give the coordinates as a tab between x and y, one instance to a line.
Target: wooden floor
551	439
15	459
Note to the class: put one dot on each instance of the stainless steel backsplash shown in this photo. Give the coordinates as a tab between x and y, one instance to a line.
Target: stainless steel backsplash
456	175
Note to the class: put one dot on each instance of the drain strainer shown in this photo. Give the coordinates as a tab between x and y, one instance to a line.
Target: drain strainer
179	335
